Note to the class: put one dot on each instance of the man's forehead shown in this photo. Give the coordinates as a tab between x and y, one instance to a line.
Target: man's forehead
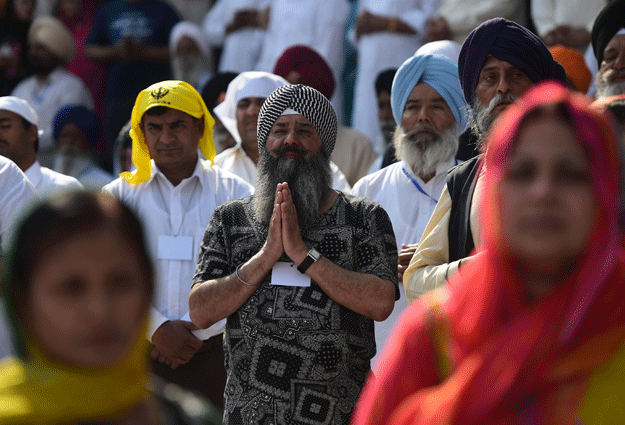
9	115
170	115
422	92
251	99
492	62
616	42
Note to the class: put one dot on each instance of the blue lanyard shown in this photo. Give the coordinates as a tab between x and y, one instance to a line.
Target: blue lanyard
417	185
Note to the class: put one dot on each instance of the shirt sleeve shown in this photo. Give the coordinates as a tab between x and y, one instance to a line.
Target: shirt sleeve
463	18
213	260
417	16
430	267
215	22
156	320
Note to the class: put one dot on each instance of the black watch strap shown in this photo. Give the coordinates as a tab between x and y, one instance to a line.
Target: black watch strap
312	256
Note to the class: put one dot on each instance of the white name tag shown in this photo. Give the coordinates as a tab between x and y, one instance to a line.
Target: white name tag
175	247
286	274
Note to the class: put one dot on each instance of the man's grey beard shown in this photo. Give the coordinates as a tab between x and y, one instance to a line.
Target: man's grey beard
605	88
189	68
309	182
481	117
387	127
424	153
70	163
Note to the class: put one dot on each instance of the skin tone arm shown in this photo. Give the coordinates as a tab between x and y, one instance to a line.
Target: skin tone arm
369	23
363	293
403	259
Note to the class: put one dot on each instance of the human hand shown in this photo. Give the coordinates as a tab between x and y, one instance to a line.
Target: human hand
174	343
403	259
437	28
273	246
368	23
292	241
245	18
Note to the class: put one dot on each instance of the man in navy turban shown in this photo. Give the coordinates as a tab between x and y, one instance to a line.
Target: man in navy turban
608	42
498	62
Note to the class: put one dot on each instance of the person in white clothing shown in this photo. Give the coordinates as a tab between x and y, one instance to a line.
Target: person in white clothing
51	46
16	193
190	54
19	141
387	32
319	24
239	114
429	106
175	192
238	27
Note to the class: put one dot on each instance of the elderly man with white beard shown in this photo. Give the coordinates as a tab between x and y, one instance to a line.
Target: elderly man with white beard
608	42
300	271
430	110
498	62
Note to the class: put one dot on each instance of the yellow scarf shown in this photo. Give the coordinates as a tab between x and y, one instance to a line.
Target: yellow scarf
42	391
171	94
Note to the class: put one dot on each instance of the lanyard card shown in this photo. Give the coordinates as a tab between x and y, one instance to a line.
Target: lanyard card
286	274
175	247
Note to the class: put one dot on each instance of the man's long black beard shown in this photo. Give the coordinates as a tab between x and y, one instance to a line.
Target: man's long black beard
309	181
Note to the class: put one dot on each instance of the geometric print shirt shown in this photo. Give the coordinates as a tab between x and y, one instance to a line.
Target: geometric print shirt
293	355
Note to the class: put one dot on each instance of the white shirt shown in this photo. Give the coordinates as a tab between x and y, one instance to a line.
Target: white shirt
549	14
46	96
409	210
240	49
16	194
236	161
93	177
380	51
180	211
48	182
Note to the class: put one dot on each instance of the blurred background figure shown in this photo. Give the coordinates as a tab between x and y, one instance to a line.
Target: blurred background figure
77	15
213	93
15	19
77	284
76	131
608	46
532	326
238	27
353	153
564	22
131	37
577	73
51	47
383	84
122	151
190	55
318	24
386	33
19	141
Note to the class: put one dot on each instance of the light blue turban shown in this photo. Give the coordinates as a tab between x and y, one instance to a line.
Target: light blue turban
438	72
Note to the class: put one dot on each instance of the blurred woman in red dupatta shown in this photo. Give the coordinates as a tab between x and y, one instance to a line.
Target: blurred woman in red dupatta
531	330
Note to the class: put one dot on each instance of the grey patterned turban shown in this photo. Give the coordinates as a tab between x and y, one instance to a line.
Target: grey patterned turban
304	100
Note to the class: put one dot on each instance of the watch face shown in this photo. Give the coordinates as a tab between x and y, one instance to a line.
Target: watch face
314	254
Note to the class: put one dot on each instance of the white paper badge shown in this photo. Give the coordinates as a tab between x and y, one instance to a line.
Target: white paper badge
286	274
175	247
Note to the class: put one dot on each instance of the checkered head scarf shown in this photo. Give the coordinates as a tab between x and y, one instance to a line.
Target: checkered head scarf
299	99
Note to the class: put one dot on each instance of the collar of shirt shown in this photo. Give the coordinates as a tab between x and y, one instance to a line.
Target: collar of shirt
197	175
441	169
34	174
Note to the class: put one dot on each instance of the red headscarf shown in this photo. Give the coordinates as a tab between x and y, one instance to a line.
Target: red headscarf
477	352
312	67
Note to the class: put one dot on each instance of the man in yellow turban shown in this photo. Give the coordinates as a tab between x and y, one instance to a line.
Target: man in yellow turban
175	192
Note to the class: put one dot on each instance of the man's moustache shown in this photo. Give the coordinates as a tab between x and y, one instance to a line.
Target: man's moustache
284	149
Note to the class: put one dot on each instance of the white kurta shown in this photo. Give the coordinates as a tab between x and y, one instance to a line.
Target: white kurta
16	194
183	212
240	49
61	88
236	161
48	182
549	14
409	210
318	24
380	51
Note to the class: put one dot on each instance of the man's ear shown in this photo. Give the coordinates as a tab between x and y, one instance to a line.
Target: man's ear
33	136
200	124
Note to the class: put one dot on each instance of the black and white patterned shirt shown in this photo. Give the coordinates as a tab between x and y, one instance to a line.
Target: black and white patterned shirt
294	356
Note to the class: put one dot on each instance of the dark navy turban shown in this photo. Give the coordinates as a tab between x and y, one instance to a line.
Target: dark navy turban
510	42
82	117
608	22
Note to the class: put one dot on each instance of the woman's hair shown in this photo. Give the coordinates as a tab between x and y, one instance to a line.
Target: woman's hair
57	221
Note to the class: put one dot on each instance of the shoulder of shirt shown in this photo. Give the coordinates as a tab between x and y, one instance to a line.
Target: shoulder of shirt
376	177
61	179
224	155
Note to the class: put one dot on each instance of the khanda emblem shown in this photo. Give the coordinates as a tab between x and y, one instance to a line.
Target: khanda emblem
160	93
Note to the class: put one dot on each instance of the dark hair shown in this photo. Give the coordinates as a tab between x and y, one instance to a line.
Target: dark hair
56	221
215	86
157	111
384	81
27	125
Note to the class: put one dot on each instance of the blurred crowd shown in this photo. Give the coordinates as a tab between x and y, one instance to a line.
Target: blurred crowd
312	211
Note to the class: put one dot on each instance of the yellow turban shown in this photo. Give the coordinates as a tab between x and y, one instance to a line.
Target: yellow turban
171	94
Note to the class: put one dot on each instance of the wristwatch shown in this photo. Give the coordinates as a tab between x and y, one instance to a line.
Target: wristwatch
312	256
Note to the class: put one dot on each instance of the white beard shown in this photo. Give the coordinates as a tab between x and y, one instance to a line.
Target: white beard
70	164
423	154
605	88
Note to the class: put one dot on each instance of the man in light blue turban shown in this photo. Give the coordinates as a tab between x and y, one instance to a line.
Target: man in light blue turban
430	110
